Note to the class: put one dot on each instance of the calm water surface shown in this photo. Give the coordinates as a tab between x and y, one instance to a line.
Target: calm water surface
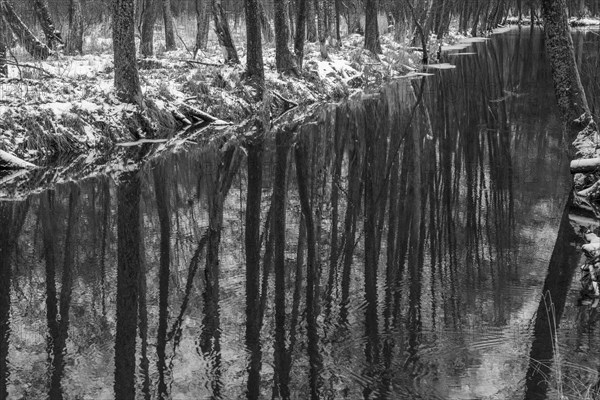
394	247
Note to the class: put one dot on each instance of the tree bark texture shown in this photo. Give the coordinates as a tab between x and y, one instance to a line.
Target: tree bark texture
223	33
371	26
33	46
127	80
254	62
42	12
75	38
311	26
284	60
169	27
3	48
567	83
202	24
322	26
300	31
148	21
267	30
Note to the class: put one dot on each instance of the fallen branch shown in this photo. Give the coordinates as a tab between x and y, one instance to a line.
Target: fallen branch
9	161
201	63
21	65
585	165
140	142
190	111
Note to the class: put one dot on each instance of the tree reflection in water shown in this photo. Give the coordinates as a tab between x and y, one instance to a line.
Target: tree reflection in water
387	247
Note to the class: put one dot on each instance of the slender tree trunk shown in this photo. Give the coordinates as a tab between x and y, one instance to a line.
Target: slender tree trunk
569	91
33	46
322	26
264	23
284	60
128	270
148	22
3	47
75	37
255	69
252	242
300	31
53	36
162	205
331	29
169	28
202	23
127	81
223	34
311	27
372	27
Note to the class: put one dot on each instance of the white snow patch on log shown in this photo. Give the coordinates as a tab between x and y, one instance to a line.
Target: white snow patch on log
15	161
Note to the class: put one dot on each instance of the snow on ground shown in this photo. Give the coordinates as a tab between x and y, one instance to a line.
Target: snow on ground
63	112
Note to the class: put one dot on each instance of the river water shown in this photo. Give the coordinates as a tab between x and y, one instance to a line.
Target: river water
395	246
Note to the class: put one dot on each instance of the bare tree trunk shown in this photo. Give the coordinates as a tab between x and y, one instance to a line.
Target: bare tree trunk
255	68
3	48
569	91
33	46
75	37
322	28
331	30
300	31
284	60
53	36
267	31
223	34
169	28
202	23
148	22
127	80
311	27
372	27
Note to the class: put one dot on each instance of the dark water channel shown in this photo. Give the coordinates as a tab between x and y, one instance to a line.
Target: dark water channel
391	248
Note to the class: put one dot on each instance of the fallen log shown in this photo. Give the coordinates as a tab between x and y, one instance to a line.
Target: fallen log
585	165
9	161
190	111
